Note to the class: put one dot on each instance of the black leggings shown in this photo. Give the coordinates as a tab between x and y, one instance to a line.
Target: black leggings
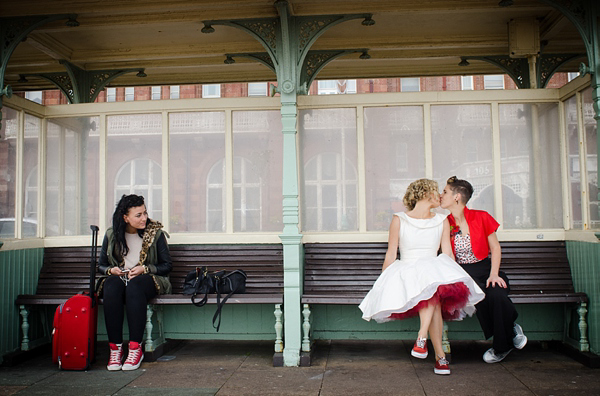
135	297
496	313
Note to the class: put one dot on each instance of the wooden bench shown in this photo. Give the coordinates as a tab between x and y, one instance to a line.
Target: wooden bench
65	272
343	273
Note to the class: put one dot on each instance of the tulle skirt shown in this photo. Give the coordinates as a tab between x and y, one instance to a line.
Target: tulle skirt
406	287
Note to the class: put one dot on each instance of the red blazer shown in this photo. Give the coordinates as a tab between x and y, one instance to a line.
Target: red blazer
481	225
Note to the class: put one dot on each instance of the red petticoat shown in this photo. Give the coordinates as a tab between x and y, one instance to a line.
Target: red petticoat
452	297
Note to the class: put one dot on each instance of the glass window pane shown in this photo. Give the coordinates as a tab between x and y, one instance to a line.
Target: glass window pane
495	81
591	155
211	90
329	154
462	147
530	146
410	84
8	176
257	89
257	172
196	171
33	126
174	92
72	176
394	157
134	155
573	164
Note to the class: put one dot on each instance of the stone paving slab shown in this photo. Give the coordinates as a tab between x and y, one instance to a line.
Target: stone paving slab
350	367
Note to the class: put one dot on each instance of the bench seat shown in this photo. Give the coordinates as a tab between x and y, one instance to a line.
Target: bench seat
343	273
65	272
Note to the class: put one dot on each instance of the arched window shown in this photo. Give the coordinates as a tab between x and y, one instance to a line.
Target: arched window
247	197
330	194
141	176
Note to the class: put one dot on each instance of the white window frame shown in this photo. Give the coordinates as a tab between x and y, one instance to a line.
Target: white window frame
211	91
327	87
35	96
493	81
133	187
408	84
111	94
174	92
156	92
466	83
129	94
256	89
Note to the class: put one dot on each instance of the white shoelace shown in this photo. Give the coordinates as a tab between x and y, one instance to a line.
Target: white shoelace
133	356
421	342
115	356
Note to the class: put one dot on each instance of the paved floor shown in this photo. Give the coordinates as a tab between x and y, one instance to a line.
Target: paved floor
339	368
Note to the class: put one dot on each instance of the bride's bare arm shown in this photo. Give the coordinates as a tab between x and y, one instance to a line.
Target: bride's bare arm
391	254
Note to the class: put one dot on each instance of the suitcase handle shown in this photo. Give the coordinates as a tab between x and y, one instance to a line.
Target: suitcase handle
95	230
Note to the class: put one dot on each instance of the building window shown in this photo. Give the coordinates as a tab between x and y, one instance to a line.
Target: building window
330	192
111	94
495	81
410	84
141	176
211	91
572	76
174	92
257	89
215	198
34	96
129	94
466	83
334	87
156	93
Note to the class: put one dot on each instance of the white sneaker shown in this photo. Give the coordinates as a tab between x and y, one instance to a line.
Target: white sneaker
490	356
520	339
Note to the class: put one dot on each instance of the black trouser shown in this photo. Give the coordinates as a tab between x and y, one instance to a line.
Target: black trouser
496	313
135	297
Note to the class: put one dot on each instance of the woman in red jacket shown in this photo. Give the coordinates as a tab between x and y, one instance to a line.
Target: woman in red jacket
476	248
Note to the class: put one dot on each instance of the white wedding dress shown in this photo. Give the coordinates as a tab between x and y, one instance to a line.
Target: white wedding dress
421	276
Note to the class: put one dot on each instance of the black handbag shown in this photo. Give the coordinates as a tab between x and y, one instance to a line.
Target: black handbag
200	281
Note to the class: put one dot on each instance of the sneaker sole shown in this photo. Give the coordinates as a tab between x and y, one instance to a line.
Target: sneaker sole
130	368
418	355
113	368
441	372
522	344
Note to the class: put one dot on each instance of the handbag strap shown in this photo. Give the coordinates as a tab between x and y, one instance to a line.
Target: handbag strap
220	306
200	303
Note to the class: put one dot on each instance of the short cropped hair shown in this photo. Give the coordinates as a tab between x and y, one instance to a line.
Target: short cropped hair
418	190
462	187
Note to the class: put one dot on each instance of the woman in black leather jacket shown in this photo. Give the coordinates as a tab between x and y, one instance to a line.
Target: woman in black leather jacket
134	266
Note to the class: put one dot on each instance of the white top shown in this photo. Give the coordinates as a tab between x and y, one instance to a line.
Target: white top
134	243
420	237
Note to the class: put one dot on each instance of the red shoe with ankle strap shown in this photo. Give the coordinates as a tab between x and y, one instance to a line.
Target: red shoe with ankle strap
115	362
135	357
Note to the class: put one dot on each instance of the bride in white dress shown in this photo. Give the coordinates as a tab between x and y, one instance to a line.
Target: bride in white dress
422	282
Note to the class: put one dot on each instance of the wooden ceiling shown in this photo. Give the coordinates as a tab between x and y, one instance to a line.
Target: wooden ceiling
410	38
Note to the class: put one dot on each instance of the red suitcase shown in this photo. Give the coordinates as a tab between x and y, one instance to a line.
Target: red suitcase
75	324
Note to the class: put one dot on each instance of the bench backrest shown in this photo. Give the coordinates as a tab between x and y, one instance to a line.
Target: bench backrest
66	270
534	267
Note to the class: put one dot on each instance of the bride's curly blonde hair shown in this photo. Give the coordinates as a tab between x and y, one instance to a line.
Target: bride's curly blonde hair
418	190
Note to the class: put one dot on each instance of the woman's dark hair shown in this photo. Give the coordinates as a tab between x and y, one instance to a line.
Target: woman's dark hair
125	203
462	187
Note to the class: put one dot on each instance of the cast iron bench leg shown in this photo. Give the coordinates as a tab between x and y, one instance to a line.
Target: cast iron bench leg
306	328
24	327
584	345
278	329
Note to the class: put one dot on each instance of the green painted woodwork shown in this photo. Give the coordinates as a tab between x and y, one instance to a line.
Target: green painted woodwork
19	273
287	39
15	30
543	322
548	64
584	258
